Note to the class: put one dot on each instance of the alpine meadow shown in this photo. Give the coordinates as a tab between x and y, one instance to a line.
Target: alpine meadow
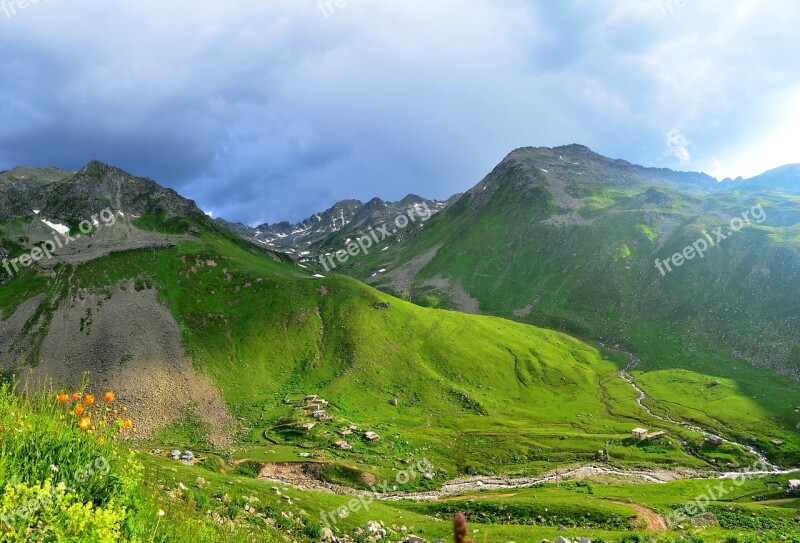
330	272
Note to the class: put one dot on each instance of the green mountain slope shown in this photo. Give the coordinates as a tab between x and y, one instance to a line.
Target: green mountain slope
567	239
171	311
479	391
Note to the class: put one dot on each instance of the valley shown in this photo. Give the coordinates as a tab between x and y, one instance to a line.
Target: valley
282	374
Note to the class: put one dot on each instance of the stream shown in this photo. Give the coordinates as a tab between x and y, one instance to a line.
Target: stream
471	484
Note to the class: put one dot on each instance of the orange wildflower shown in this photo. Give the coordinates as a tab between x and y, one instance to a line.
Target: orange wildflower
79	409
109	397
127	423
85	423
101	440
76	397
62	398
89	399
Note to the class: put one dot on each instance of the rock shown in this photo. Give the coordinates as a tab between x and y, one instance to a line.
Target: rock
428	476
200	482
414	539
560	539
181	486
357	531
395	401
373	527
327	536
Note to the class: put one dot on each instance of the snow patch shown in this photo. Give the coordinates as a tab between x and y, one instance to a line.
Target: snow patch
60	228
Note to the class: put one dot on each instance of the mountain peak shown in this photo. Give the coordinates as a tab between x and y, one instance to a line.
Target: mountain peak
96	167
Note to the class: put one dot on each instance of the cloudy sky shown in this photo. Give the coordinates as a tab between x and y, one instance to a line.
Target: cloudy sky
267	110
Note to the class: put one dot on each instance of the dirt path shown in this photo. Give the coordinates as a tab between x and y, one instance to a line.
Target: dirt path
655	522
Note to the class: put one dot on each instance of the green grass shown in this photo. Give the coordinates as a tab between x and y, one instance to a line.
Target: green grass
476	394
598	282
35	436
516	398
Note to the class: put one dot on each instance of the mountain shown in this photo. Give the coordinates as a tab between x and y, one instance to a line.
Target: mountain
218	345
321	231
785	179
567	239
64	196
204	335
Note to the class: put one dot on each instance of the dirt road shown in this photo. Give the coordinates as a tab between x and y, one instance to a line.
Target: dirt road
655	523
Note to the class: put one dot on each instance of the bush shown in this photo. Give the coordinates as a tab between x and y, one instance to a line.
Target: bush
47	512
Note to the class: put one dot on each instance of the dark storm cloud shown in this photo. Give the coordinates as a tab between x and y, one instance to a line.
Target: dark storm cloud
266	111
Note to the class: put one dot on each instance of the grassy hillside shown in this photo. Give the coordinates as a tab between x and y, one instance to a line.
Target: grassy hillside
570	243
514	396
61	482
473	395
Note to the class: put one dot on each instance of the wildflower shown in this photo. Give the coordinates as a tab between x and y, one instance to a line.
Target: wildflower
89	399
127	423
109	397
79	409
76	397
53	468
85	423
101	440
161	513
62	398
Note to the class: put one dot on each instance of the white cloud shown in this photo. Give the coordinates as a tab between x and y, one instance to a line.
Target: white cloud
678	146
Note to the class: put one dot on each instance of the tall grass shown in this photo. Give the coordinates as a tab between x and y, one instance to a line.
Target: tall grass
61	482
